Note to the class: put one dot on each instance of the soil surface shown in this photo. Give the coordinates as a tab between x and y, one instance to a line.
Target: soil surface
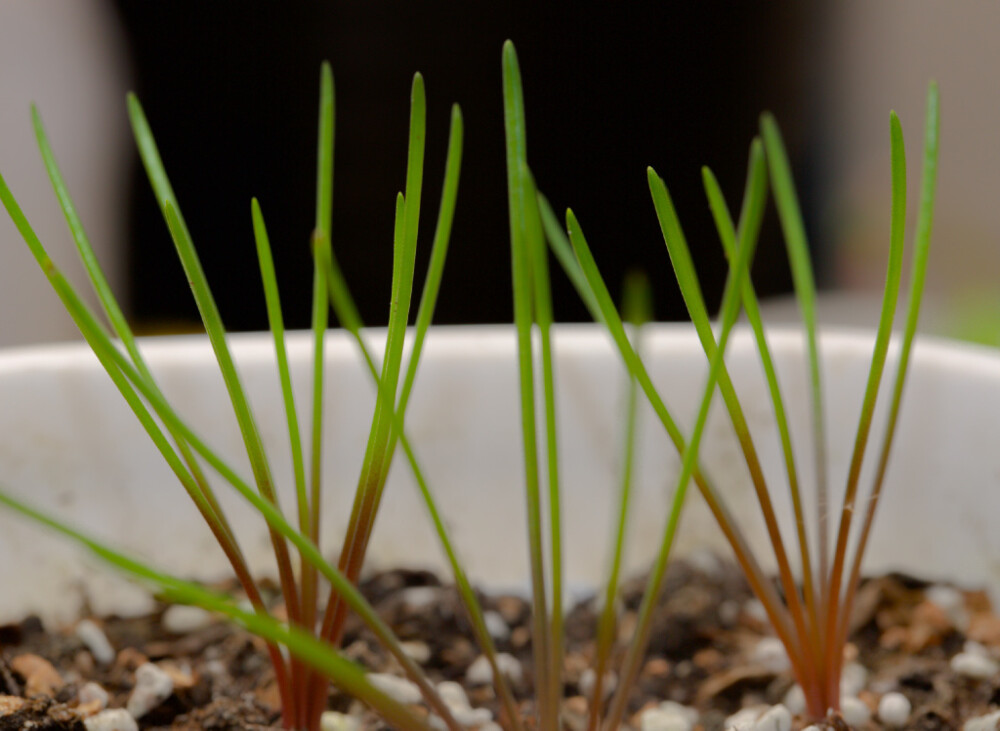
706	653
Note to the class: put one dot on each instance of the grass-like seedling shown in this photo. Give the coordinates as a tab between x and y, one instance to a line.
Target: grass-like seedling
812	623
301	680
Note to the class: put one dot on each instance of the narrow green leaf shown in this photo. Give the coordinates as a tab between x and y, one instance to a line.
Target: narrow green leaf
637	308
343	298
563	250
277	326
759	582
805	291
106	351
117	320
918	274
751	216
889	299
687	279
375	468
542	300
521	266
730	310
216	332
439	253
347	675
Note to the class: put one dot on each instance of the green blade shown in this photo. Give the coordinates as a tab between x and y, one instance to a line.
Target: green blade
805	291
687	279
730	310
216	333
344	673
637	308
918	274
518	188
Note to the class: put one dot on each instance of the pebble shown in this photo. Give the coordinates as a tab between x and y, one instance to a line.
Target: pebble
400	690
9	704
658	719
335	721
113	719
480	672
588	677
40	678
744	719
754	609
952	602
453	694
90	692
705	561
687	712
894	709
417	651
420	597
975	648
854	711
729	613
775	718
91	699
472	716
769	653
795	700
497	626
152	687
983	723
973	665
181	619
853	679
96	641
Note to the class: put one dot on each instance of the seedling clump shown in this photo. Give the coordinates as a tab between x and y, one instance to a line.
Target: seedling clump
811	618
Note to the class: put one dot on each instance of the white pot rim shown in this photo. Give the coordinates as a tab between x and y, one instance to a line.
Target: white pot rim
68	444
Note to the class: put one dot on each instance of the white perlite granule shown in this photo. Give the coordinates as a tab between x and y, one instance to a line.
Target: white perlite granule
96	641
854	711
894	709
400	690
775	718
113	719
152	687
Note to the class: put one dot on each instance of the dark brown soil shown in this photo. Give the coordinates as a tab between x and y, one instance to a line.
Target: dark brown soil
700	655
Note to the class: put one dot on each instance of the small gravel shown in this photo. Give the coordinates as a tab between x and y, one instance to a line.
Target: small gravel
894	709
588	677
745	719
795	700
92	692
96	641
974	665
853	679
152	687
400	690
775	718
113	719
770	654
983	723
181	620
672	717
480	672
497	626
854	711
336	721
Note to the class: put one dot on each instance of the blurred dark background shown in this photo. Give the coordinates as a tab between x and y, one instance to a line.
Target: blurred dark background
232	99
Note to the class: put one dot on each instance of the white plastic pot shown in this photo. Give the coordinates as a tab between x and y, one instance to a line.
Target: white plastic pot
69	444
